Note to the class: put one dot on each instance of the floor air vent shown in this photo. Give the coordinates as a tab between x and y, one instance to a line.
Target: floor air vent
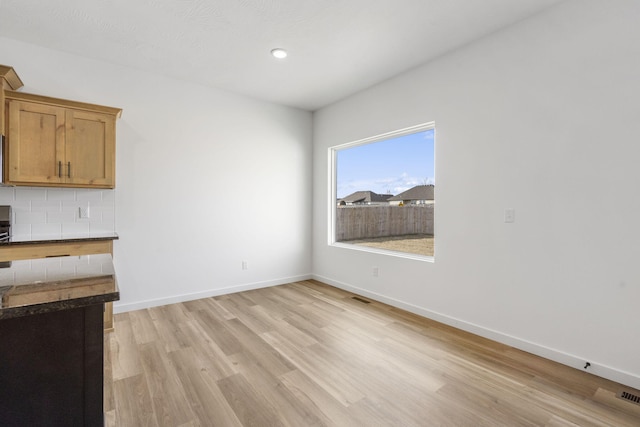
630	397
362	300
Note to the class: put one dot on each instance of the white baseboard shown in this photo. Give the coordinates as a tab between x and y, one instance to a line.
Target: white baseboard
571	360
123	308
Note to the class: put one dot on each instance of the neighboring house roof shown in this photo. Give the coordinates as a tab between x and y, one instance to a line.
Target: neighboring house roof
419	192
365	197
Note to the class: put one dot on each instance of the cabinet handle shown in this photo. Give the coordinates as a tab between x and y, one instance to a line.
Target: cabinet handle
59	169
69	169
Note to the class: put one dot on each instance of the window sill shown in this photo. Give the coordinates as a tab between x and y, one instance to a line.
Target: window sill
405	255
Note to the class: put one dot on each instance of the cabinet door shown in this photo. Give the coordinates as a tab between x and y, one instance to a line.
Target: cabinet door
35	143
90	149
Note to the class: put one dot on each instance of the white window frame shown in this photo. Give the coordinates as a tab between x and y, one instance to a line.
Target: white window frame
332	183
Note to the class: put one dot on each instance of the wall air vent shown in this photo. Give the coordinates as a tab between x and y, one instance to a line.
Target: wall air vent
630	397
362	300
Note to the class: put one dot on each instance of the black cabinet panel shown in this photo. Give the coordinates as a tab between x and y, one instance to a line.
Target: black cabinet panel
51	369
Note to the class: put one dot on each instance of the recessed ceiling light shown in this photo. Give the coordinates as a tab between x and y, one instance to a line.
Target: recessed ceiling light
279	53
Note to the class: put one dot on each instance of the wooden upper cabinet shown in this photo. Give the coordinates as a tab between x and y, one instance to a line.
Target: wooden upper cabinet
35	141
55	142
90	148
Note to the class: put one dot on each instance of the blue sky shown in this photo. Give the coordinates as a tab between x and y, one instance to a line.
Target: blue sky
388	166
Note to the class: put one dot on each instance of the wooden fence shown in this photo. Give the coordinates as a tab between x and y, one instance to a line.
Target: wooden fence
365	222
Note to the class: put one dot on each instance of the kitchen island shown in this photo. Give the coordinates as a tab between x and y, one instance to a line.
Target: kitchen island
51	339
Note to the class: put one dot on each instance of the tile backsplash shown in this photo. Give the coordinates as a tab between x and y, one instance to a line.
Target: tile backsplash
50	211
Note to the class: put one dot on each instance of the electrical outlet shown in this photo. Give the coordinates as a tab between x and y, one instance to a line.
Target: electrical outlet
376	271
245	265
84	212
509	215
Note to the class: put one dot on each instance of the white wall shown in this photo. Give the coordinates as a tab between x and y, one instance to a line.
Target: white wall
542	117
205	179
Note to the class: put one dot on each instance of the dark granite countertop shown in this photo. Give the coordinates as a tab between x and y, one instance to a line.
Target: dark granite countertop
51	284
59	238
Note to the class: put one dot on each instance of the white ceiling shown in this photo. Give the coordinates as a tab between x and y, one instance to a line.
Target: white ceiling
336	47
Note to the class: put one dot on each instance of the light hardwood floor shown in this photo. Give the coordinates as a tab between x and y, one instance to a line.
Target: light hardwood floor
307	354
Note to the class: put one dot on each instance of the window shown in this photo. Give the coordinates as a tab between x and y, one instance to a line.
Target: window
383	193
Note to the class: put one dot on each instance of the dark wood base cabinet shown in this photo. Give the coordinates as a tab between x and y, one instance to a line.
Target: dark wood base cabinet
51	368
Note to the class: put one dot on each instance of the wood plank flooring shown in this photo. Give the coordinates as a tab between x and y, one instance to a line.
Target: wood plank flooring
307	354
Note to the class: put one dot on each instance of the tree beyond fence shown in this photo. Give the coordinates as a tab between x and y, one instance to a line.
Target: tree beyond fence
365	222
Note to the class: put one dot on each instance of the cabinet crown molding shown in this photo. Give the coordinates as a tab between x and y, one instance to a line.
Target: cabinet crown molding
9	75
22	96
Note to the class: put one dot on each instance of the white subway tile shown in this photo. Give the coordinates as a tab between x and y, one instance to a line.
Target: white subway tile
109	196
45	206
78	227
42	211
102	203
55	271
23	206
71	204
28	273
61	194
75	261
46	229
102	228
28	193
70	207
30	217
108	215
83	195
7	195
67	215
20	229
50	263
89	269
